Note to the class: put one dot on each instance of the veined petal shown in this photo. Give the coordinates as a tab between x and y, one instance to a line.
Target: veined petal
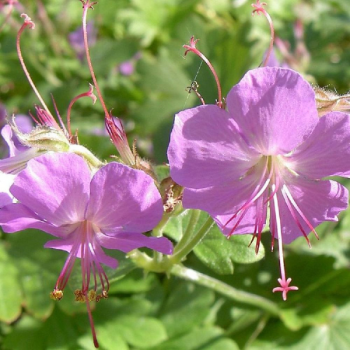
17	217
125	199
318	201
127	242
206	147
327	151
55	186
15	164
224	198
275	109
24	124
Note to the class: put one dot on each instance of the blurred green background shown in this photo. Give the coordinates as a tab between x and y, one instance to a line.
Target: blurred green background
140	66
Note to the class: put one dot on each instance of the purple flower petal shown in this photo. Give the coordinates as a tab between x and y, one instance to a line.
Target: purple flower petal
127	242
246	223
76	39
16	217
275	109
324	151
55	186
201	155
123	199
126	68
15	164
222	198
319	201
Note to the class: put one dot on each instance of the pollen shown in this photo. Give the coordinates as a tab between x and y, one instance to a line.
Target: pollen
56	294
79	296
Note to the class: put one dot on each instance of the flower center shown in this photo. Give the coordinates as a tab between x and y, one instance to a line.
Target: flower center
269	179
85	247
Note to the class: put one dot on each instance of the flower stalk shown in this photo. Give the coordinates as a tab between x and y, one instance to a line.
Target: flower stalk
225	289
188	246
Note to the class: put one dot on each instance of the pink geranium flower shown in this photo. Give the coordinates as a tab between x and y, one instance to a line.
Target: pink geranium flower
56	193
269	150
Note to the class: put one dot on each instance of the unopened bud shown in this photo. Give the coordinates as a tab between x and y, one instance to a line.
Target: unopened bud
43	138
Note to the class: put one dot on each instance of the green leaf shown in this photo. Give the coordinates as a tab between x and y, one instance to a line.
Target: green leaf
164	83
108	338
57	332
25	335
128	319
315	313
178	225
215	250
39	267
331	334
135	282
219	253
111	53
10	289
210	338
141	332
162	171
187	307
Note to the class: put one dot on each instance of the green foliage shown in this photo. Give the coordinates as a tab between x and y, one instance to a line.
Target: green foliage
215	251
220	298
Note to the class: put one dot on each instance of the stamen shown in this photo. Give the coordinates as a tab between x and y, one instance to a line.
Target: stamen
289	195
260	215
292	212
273	230
259	223
56	294
45	118
59	118
284	284
255	195
259	8
192	48
28	23
66	270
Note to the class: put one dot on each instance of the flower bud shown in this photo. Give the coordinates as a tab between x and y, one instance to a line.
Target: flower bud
43	138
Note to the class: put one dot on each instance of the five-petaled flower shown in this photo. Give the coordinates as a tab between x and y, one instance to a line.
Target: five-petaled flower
269	150
58	194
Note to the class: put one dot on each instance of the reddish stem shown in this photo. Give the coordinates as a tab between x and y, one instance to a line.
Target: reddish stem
31	24
258	8
192	48
123	149
85	94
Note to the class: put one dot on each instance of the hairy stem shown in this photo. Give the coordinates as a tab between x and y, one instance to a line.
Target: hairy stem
182	253
194	216
225	289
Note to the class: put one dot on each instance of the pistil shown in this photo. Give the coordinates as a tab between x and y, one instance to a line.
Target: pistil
284	284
